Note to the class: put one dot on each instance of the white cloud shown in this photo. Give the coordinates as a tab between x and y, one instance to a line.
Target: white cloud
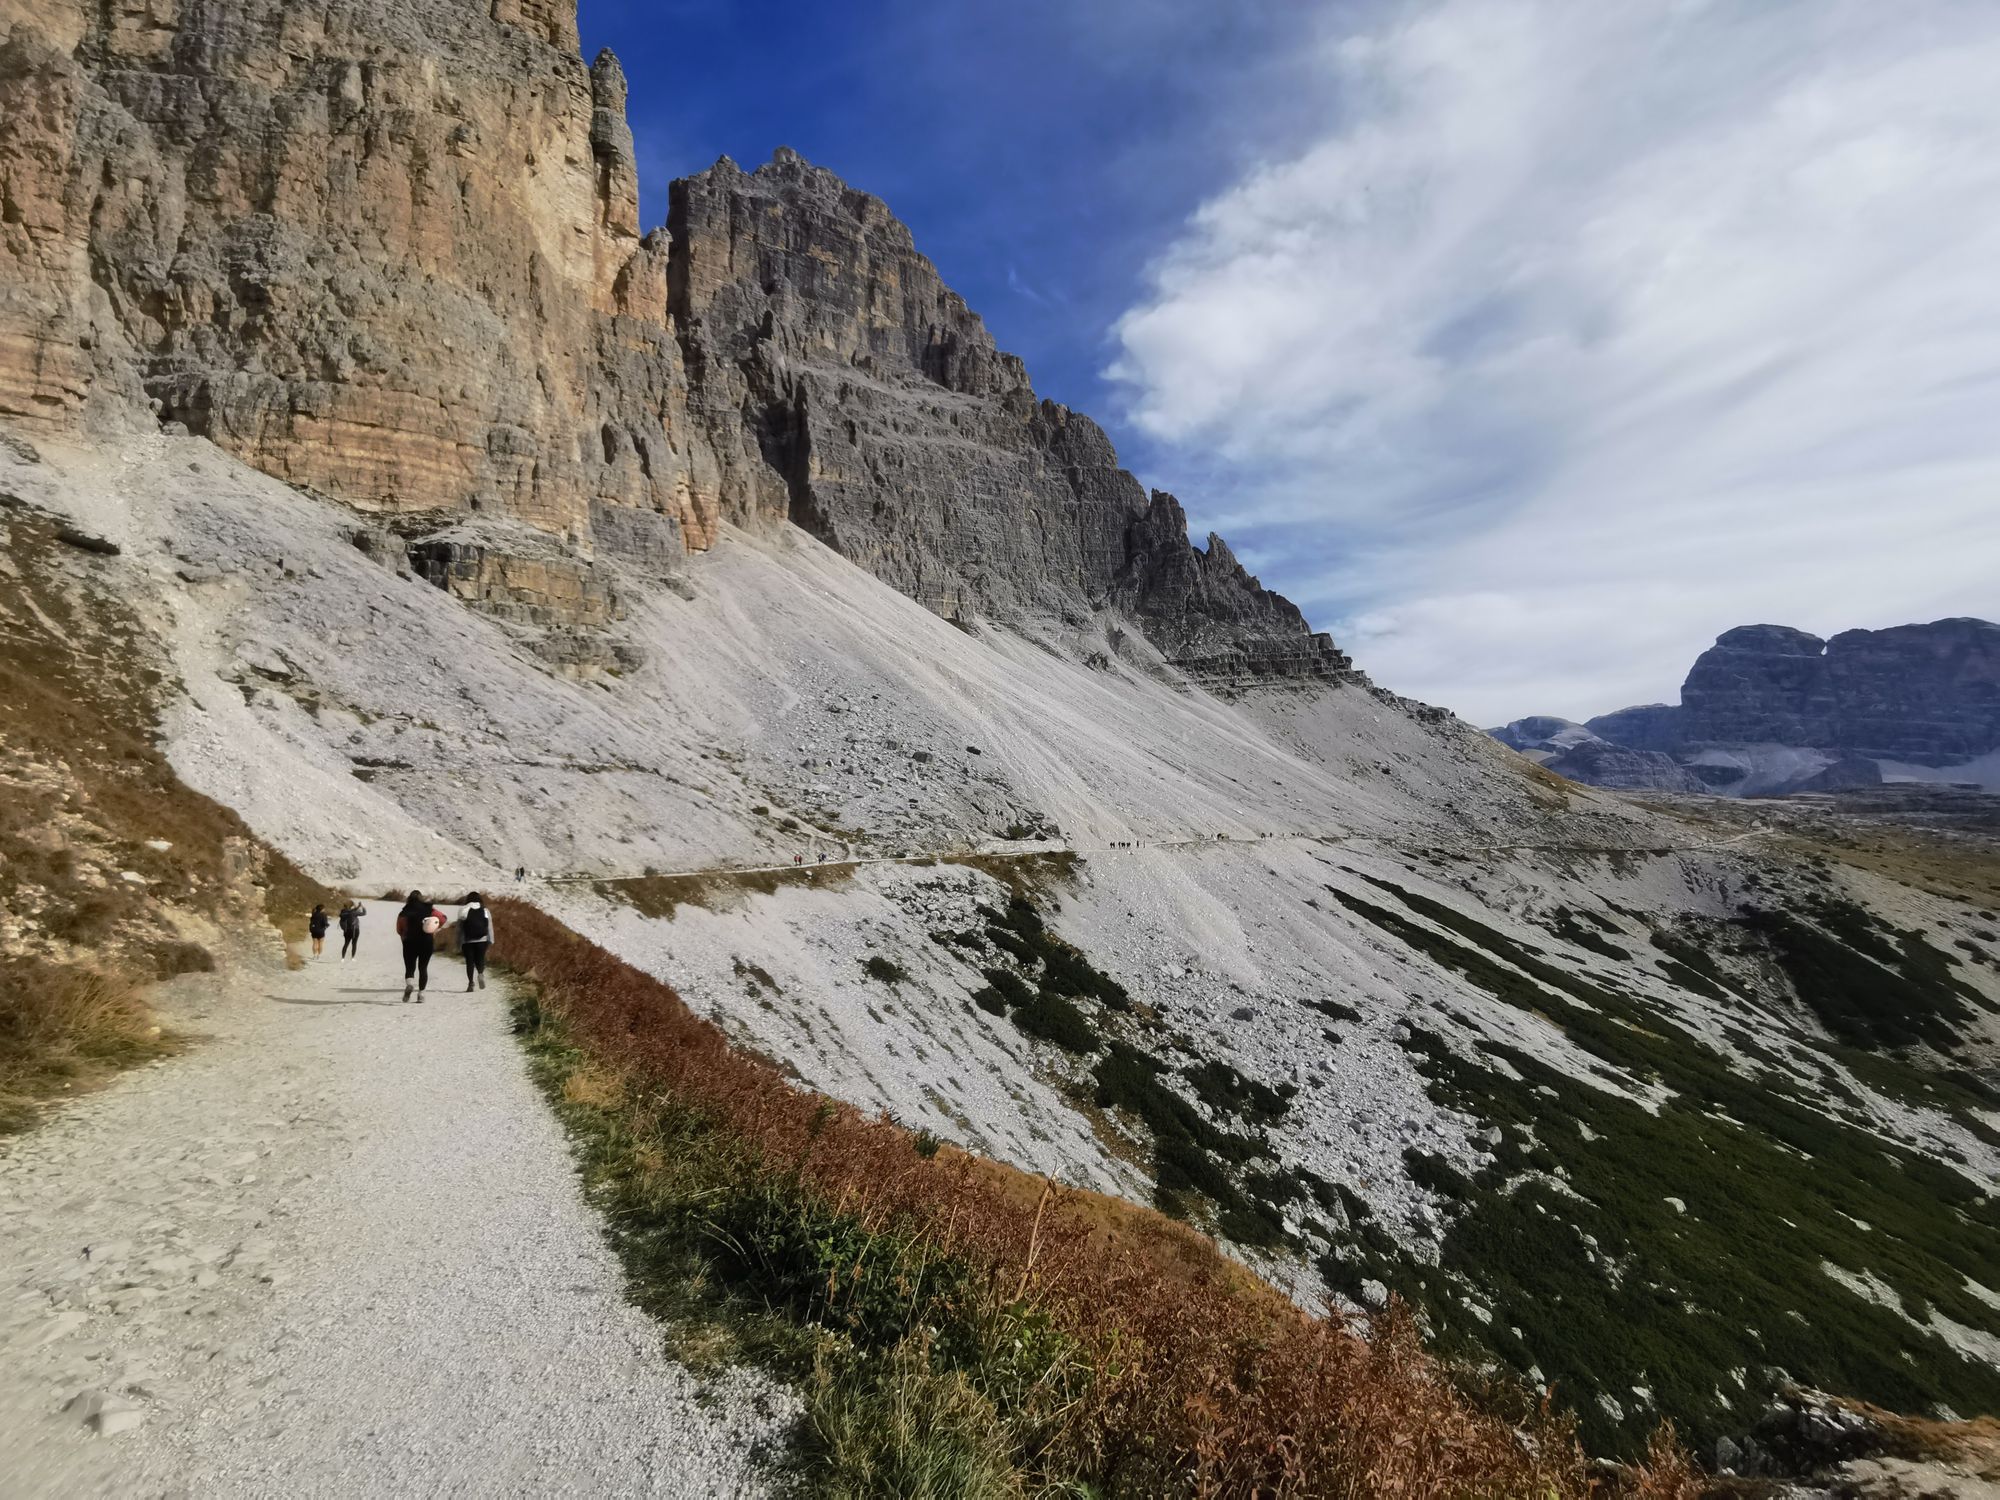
1589	330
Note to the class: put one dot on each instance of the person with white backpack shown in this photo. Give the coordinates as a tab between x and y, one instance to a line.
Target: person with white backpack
418	925
475	939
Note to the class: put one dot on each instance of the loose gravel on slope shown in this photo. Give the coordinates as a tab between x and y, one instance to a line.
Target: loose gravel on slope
338	1248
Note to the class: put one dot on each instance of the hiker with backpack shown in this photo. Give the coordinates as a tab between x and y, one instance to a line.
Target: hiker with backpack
351	914
418	925
316	926
475	937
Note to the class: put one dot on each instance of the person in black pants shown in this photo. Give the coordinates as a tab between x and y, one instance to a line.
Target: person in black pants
475	939
418	924
350	928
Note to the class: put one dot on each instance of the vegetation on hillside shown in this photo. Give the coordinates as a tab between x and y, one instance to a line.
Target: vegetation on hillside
1687	1259
954	1333
105	854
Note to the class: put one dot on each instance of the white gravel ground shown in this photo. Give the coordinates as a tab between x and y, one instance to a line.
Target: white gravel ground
339	1249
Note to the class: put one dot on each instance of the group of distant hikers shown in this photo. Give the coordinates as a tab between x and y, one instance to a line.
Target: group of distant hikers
418	924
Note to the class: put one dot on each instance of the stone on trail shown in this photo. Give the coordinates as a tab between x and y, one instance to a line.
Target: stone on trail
106	1413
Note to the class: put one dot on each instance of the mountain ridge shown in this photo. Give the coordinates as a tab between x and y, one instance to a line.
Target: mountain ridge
398	262
735	585
1907	702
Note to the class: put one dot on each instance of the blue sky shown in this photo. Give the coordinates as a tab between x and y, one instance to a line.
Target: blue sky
1526	344
1041	152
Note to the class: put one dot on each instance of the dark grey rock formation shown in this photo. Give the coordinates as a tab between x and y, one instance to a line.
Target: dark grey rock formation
1924	694
389	251
1541	732
1759	684
847	387
1647	726
1601	763
1844	775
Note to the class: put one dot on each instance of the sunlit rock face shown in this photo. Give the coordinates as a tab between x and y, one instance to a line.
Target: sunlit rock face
391	254
386	252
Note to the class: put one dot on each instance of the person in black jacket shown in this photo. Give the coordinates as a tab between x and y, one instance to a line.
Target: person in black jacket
316	925
418	924
351	914
475	937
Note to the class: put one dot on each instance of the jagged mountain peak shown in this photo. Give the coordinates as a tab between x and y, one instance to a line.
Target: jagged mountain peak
426	311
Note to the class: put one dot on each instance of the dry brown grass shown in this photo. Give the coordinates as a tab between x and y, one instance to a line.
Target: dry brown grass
62	1028
85	797
594	1087
1199	1381
659	896
1973	1446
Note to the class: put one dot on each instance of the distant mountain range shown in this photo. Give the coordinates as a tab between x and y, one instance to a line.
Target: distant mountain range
1769	710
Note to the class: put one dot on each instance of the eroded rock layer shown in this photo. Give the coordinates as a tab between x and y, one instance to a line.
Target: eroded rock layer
1928	694
848	387
391	253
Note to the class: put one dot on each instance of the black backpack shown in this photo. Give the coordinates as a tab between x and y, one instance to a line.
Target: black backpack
472	927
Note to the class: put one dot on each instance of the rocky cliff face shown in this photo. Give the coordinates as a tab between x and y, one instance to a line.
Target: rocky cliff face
1925	695
1647	726
846	386
1576	751
391	254
1760	684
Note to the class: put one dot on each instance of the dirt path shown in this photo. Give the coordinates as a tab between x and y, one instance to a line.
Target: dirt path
1202	841
336	1249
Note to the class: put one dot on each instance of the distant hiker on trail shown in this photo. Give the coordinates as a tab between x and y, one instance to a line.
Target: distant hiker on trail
520	873
351	914
316	926
475	937
418	925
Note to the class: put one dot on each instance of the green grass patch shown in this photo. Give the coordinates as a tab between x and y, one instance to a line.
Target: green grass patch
1611	1286
1227	1091
1870	984
1565	925
919	1378
884	970
1055	1019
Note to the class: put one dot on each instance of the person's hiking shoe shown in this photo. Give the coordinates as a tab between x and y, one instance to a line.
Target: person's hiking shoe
468	986
406	993
482	981
420	997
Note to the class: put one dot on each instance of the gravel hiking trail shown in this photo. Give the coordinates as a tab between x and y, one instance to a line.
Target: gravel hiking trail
337	1247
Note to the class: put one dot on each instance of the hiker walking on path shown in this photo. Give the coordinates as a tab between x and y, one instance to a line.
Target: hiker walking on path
351	914
475	937
418	925
316	925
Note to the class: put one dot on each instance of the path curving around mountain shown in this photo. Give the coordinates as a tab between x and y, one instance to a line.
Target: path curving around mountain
338	1248
1201	841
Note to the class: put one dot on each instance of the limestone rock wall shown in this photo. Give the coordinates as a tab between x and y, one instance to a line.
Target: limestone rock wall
846	386
387	250
1927	694
1923	693
390	252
